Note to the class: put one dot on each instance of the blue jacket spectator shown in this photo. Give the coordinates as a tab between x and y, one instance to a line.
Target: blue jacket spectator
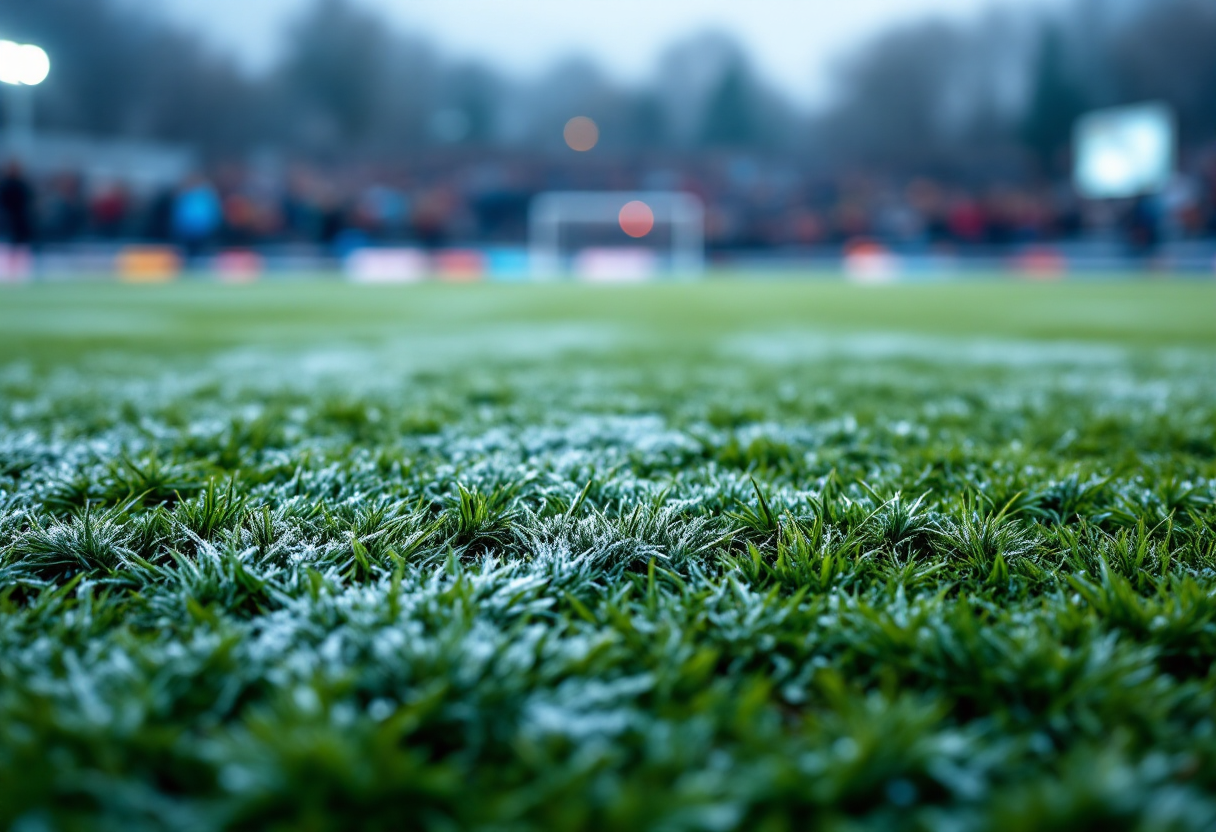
197	215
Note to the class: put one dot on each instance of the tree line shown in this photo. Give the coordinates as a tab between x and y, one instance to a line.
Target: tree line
991	94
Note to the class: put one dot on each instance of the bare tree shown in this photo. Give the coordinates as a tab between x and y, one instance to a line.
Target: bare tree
121	73
891	104
974	98
1169	53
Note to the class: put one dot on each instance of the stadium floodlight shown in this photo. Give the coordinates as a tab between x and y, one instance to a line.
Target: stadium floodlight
23	64
664	228
1125	152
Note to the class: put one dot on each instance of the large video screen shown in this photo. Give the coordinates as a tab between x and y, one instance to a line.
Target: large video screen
1125	151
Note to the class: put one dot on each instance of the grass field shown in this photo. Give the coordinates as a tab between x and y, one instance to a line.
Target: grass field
768	555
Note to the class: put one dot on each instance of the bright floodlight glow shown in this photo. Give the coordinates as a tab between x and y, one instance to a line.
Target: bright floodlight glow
1125	151
581	134
10	62
637	220
23	64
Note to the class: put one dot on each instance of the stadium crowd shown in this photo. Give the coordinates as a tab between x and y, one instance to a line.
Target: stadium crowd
455	200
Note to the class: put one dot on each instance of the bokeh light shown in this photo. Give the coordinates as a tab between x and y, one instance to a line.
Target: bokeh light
582	134
637	220
23	64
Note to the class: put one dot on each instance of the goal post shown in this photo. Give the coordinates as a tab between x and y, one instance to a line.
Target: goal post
639	234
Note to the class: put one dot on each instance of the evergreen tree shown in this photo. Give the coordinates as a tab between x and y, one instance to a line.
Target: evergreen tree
730	115
335	64
1056	101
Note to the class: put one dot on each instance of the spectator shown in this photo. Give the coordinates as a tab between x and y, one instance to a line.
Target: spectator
1143	228
440	201
110	210
66	212
197	215
17	206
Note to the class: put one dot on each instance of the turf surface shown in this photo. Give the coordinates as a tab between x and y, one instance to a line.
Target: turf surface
735	555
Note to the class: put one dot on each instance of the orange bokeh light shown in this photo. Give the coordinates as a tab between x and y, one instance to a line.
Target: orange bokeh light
581	134
637	220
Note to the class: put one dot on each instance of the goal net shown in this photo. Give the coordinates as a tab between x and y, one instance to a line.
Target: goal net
612	236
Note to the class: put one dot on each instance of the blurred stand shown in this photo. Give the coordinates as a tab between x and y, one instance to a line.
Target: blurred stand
139	165
759	214
941	146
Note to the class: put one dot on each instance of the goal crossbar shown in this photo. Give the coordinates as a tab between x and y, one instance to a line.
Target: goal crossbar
684	213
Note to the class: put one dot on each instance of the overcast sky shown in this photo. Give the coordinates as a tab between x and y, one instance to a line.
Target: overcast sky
793	41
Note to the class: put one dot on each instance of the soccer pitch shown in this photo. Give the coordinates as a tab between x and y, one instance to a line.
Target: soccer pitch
739	554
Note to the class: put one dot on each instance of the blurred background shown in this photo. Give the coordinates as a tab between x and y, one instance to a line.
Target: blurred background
398	139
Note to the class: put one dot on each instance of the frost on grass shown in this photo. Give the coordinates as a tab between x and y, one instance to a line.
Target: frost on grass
831	584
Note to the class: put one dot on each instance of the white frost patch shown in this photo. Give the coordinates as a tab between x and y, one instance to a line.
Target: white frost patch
793	346
384	363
